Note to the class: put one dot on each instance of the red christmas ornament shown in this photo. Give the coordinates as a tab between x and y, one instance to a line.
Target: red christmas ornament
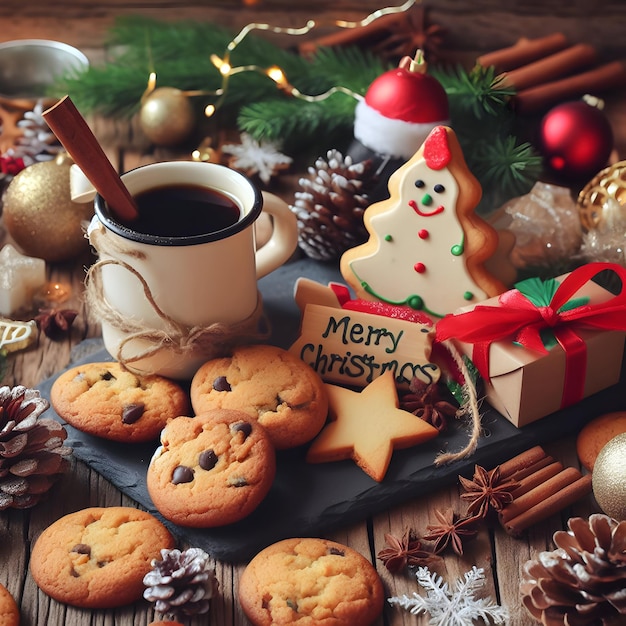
400	109
576	140
394	118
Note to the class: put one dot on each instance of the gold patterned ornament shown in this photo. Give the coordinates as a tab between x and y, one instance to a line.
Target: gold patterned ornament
166	116
607	187
602	210
609	478
39	214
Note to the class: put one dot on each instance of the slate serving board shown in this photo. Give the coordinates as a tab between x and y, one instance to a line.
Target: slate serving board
309	500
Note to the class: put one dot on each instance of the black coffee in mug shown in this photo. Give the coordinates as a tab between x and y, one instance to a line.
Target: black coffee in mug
183	210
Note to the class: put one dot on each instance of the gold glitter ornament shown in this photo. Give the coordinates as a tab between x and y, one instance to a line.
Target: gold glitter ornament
609	478
166	116
39	214
607	188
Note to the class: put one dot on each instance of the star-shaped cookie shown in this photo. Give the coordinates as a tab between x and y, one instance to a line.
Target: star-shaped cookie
367	427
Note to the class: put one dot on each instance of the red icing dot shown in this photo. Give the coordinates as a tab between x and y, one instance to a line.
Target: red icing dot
423	234
420	268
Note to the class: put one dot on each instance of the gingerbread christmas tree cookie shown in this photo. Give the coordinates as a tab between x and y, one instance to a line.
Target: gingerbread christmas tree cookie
427	248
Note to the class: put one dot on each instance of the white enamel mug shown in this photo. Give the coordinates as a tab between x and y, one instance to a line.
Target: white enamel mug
160	291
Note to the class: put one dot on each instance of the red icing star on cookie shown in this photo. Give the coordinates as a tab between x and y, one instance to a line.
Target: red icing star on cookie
367	427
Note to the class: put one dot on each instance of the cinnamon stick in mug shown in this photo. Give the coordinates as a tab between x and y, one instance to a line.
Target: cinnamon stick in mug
73	132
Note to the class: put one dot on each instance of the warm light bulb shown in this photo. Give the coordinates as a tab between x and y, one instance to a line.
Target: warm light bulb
277	75
222	65
209	110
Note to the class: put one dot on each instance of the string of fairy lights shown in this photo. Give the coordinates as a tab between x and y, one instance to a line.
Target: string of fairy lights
275	73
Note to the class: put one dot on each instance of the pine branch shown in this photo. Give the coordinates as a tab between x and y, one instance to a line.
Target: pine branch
180	54
290	121
502	162
479	93
350	67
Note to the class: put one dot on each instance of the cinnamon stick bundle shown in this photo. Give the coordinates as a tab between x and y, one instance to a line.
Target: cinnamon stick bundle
554	66
522	52
550	506
593	81
539	494
544	488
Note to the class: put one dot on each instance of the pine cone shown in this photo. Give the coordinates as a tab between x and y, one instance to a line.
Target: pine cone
182	582
32	454
330	206
583	581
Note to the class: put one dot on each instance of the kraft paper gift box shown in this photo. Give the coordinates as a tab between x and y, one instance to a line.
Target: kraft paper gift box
526	375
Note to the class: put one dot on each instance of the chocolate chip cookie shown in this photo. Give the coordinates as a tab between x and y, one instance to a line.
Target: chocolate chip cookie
273	386
212	469
310	582
97	557
108	401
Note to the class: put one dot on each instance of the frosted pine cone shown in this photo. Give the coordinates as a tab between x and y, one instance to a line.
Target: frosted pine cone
32	454
330	206
37	142
583	581
181	582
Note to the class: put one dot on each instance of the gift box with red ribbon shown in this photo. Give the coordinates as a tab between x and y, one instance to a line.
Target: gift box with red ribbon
544	345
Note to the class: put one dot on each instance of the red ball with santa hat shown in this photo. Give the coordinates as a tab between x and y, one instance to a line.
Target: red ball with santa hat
399	110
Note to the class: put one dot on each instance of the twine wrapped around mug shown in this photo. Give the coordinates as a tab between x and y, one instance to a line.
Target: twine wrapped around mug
209	341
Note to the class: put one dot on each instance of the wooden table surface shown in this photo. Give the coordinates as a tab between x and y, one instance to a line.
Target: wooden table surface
501	555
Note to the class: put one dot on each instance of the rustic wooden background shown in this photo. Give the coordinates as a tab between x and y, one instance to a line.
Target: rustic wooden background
470	27
469	24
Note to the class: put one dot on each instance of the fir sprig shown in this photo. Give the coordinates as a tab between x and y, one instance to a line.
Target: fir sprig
479	92
281	118
180	54
501	162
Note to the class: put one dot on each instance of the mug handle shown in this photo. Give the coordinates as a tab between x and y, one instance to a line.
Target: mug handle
284	239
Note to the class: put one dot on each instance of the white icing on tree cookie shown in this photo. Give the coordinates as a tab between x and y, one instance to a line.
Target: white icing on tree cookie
427	246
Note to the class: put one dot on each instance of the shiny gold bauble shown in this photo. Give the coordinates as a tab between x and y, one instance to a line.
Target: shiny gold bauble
166	116
39	214
608	478
609	185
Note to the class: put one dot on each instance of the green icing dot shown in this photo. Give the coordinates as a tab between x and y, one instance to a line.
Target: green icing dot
388	237
415	302
468	295
457	250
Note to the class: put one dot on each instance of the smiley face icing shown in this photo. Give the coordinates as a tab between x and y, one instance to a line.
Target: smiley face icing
427	247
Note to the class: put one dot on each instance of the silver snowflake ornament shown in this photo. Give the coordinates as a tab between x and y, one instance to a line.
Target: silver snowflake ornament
452	607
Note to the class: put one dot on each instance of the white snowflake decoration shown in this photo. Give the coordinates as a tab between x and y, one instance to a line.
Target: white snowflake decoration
253	157
452	608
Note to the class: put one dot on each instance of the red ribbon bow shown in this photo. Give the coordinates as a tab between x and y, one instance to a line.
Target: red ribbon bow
518	319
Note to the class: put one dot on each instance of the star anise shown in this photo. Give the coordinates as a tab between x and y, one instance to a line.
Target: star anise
450	531
55	323
409	33
424	400
487	490
405	552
